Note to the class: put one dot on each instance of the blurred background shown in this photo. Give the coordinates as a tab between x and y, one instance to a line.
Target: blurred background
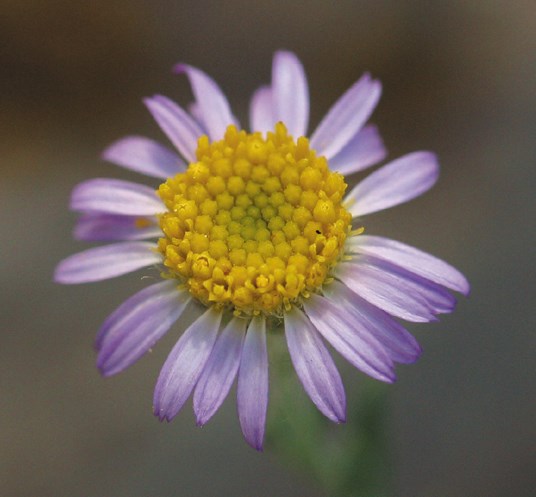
459	78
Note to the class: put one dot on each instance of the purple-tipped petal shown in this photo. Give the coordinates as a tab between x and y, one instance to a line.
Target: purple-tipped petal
144	156
339	328
185	364
177	124
137	324
101	263
110	227
290	93
220	371
398	343
394	290
346	117
395	183
261	113
212	102
365	149
411	259
115	196
252	391
314	366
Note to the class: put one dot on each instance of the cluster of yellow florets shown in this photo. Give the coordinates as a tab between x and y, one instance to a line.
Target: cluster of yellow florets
255	223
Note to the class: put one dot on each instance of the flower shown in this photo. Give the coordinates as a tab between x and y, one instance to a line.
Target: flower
257	229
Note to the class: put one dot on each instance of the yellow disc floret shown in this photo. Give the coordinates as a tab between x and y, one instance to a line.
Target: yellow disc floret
256	223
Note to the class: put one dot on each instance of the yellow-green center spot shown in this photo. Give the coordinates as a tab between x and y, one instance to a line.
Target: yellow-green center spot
256	223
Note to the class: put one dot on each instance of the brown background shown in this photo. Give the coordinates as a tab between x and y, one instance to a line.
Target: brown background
459	79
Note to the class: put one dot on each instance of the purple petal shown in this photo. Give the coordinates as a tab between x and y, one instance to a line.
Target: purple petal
365	149
115	196
220	371
339	328
177	124
399	344
290	93
110	227
314	366
394	290
195	112
252	391
101	263
144	156
212	102
411	259
346	117
395	183
185	364
261	112
137	324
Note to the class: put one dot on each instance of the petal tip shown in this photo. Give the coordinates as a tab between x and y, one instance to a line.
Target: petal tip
179	68
152	101
202	417
286	54
388	376
433	163
412	355
340	417
465	287
103	364
147	101
62	274
105	373
57	276
159	413
108	153
257	445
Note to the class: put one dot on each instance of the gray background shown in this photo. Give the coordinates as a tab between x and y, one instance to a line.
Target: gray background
459	79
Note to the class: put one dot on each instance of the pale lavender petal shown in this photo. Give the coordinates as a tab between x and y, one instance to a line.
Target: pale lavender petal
346	117
185	364
436	297
220	371
399	344
290	93
110	227
252	391
314	366
394	290
411	259
101	263
213	104
177	124
365	149
145	156
261	112
137	324
395	183
195	112
115	196
339	328
384	292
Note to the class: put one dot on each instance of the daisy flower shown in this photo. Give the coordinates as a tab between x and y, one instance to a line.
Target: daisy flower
256	228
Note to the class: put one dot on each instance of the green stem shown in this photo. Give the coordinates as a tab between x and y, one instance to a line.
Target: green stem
349	460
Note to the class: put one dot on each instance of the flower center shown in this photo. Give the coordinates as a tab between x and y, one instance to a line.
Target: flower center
256	223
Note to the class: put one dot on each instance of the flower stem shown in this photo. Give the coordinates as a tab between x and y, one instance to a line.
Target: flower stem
349	460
